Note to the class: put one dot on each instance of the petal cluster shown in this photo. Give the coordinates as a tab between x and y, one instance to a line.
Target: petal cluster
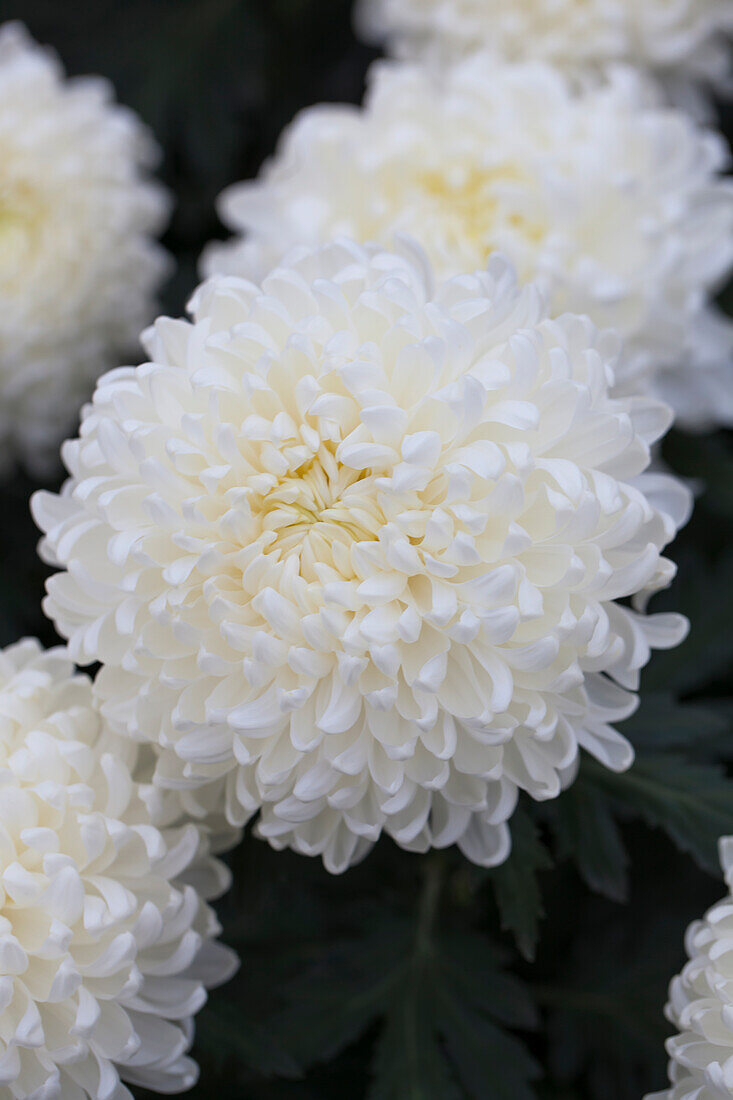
78	263
616	205
106	945
701	1005
352	548
687	36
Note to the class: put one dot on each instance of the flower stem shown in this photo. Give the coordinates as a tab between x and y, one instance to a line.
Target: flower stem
433	879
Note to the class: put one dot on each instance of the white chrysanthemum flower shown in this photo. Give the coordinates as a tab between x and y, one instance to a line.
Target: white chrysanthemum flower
106	945
701	1005
78	265
354	546
686	37
617	206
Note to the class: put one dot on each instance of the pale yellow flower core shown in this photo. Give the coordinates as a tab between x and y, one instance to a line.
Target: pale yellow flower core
318	512
20	221
474	202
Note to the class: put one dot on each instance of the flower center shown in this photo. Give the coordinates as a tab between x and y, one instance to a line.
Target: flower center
476	202
20	219
319	511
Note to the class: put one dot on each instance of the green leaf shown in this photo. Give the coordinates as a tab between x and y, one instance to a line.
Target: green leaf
226	1037
424	986
440	1031
471	970
693	806
409	1064
585	831
705	595
341	994
477	1047
605	1024
662	722
692	802
516	884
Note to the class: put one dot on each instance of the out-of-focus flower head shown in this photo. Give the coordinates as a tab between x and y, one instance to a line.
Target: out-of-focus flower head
106	943
79	265
615	204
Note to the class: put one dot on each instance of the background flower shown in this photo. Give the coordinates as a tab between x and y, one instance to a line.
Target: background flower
78	264
701	1005
688	36
106	945
355	544
615	204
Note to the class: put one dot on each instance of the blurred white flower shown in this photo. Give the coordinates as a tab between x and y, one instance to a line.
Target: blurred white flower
614	204
701	1005
686	37
354	546
106	945
78	265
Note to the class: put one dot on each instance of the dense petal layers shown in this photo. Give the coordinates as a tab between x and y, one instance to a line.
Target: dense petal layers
687	37
78	264
352	548
106	945
616	205
701	1005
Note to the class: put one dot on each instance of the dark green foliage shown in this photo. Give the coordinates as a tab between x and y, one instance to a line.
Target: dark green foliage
663	722
438	999
703	593
221	1032
423	978
693	803
517	887
605	1019
586	831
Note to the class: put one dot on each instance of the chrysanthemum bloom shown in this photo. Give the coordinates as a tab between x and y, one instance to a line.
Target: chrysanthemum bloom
616	205
687	37
78	264
356	544
106	945
701	1005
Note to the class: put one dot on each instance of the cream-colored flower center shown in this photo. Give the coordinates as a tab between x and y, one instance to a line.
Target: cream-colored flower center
319	511
475	202
21	215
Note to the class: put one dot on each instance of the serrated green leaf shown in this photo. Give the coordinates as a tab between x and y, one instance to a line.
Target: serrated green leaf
343	993
477	1047
471	966
692	802
662	722
409	1064
516	885
585	831
705	595
401	971
227	1037
605	1022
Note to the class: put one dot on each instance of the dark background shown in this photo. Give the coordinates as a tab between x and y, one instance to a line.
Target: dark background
392	982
